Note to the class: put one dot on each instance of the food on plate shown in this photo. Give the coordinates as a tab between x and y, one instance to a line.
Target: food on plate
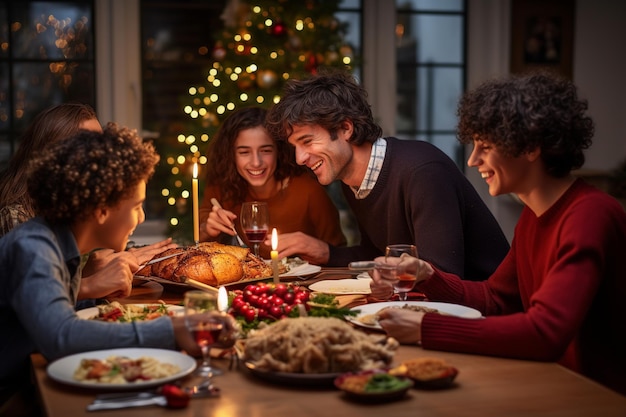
266	303
121	369
372	319
317	345
425	369
372	382
211	263
116	311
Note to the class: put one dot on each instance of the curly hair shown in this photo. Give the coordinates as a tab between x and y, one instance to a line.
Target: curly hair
90	170
49	126
523	113
326	99
221	165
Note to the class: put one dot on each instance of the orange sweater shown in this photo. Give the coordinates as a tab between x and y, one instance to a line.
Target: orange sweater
302	206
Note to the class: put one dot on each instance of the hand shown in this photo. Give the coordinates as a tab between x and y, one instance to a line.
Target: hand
185	341
308	248
183	337
112	275
145	253
402	324
220	221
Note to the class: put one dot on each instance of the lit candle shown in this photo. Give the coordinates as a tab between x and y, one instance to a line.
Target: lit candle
274	256
222	300
194	191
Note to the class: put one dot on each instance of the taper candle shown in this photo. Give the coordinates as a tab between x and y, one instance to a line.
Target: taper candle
274	256
222	300
194	192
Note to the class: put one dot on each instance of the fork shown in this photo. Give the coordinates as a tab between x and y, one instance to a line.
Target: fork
218	205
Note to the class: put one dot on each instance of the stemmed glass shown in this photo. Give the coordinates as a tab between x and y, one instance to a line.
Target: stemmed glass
206	332
254	222
403	280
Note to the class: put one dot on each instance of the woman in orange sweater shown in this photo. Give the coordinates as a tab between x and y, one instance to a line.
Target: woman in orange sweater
246	164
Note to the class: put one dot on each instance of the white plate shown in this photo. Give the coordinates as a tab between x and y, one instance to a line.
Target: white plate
62	370
447	308
91	312
304	269
342	286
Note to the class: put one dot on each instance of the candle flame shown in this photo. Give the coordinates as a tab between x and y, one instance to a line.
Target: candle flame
274	239
195	170
222	299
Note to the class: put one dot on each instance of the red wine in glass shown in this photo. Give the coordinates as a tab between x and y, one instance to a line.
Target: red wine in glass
207	334
255	235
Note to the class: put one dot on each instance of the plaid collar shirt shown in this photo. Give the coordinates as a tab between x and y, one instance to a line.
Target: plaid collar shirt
373	169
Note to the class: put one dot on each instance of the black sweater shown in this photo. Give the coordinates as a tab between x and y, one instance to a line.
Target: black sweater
422	197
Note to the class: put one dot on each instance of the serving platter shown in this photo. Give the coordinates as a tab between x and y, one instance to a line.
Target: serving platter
62	370
293	378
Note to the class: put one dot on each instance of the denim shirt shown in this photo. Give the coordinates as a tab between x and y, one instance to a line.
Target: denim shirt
39	281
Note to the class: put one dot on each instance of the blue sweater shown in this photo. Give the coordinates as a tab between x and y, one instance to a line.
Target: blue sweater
38	289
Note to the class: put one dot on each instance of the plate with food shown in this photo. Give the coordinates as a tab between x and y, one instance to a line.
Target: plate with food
427	372
297	267
117	312
368	313
313	350
373	386
121	369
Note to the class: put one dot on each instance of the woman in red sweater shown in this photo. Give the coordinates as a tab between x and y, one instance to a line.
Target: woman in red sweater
559	294
246	164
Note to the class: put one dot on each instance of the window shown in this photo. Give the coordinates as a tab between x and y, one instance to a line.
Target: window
46	58
430	54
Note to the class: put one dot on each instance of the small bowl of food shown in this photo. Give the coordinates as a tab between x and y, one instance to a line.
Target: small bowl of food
427	373
373	386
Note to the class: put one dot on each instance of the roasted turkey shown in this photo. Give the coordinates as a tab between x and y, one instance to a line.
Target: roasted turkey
210	262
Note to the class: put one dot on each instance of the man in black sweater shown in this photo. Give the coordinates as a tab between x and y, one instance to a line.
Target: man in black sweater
400	191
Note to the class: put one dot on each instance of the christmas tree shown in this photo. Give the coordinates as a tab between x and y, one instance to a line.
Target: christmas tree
263	44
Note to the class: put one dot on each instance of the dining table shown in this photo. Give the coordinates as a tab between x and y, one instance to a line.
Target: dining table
485	386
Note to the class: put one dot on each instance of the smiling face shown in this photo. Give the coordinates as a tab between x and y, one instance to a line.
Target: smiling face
328	159
255	158
119	222
503	174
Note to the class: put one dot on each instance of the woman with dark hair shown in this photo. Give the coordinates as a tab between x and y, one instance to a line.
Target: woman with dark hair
246	164
55	124
48	127
558	295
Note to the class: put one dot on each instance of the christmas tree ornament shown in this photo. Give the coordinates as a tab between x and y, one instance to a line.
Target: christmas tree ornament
266	78
295	43
279	29
219	52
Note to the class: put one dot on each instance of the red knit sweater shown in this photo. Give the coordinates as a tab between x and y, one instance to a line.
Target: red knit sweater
559	295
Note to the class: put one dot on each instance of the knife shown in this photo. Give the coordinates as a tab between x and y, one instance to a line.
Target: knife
362	265
162	258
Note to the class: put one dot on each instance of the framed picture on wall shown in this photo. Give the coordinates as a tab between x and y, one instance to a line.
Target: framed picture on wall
542	35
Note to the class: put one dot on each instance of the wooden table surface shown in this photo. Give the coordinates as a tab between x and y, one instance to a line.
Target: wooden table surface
485	386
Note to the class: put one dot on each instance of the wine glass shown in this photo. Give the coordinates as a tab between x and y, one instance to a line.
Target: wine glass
254	222
403	280
207	331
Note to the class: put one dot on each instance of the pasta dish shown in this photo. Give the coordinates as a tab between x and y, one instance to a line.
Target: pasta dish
121	369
